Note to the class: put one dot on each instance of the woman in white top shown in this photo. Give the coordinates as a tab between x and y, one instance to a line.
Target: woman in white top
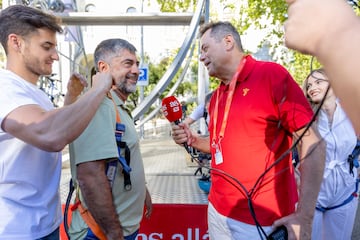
337	202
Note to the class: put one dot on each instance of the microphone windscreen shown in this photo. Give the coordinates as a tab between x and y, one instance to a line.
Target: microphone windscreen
171	108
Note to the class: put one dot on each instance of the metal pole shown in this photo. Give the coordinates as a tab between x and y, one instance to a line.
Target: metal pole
203	77
142	131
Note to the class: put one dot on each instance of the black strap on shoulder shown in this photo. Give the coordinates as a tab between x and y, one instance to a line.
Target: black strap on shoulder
67	205
125	163
127	180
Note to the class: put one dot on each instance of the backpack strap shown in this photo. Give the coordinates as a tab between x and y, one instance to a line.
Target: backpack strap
66	209
87	217
90	221
125	162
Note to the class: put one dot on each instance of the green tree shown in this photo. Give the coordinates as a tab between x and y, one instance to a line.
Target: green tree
271	15
156	72
186	6
267	15
176	5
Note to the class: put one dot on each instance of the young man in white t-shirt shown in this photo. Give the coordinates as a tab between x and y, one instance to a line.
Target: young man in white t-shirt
32	132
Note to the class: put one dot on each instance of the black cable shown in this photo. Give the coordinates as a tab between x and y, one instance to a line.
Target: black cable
241	186
282	156
277	161
66	210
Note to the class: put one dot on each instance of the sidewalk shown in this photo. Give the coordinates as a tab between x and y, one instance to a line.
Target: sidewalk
169	173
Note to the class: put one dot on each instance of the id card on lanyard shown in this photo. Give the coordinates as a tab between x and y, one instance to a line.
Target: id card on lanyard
216	139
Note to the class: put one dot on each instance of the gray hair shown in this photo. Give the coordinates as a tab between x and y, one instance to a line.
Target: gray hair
110	48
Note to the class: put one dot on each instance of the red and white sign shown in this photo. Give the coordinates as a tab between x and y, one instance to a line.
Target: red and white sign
175	222
171	222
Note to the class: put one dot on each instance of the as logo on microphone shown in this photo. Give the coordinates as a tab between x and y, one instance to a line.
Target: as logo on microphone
164	110
171	109
175	106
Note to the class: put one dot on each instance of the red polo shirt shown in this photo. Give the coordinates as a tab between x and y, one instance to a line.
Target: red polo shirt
267	107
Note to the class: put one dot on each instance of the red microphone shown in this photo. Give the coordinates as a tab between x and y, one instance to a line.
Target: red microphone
171	109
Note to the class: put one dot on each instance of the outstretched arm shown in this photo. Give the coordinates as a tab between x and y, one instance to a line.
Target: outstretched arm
52	130
329	30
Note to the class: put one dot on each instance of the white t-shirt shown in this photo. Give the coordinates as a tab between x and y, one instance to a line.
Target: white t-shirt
30	205
198	112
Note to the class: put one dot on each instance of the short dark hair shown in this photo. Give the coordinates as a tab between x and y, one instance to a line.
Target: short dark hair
23	20
219	30
110	48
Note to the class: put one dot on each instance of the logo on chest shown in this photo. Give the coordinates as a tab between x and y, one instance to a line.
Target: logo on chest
245	91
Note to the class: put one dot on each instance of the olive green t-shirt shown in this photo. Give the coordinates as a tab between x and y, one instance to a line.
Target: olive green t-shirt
98	142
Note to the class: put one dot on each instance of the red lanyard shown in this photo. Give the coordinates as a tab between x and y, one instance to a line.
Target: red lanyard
227	106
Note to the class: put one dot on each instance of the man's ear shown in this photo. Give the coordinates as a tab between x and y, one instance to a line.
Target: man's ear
103	66
229	41
14	42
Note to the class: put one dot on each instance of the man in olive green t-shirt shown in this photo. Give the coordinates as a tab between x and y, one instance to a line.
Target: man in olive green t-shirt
116	209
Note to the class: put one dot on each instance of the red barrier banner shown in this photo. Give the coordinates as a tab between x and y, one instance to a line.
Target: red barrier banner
175	222
171	222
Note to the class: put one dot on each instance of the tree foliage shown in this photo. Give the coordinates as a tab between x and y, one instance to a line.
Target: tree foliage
266	15
156	72
272	14
272	10
176	5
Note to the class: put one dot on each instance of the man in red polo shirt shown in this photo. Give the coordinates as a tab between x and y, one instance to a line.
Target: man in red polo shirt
254	115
